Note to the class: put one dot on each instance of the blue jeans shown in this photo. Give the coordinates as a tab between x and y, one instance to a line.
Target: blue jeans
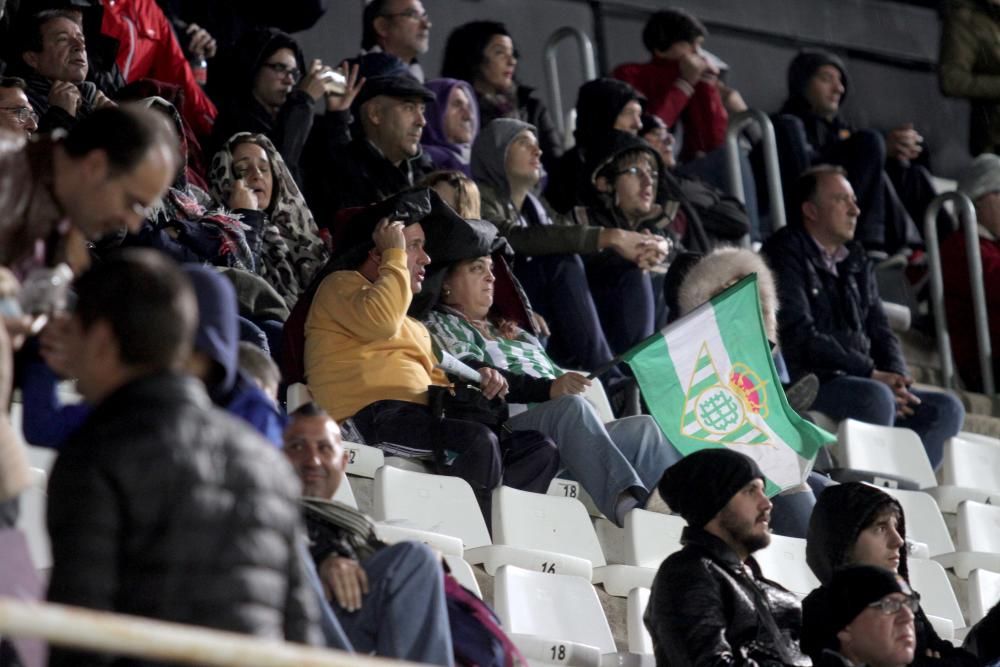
626	455
938	417
404	614
333	634
790	516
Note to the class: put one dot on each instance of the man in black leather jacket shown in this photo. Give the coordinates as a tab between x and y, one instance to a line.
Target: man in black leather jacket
159	504
709	604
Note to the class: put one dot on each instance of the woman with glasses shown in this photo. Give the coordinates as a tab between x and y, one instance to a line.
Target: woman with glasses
274	94
250	177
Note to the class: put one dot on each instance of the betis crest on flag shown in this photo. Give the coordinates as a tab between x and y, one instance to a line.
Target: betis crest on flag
709	381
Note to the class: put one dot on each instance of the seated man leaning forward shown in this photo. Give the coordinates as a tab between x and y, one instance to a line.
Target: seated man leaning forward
709	604
366	359
373	588
831	321
863	616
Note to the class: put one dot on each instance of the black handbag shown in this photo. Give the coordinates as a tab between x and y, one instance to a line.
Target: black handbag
462	400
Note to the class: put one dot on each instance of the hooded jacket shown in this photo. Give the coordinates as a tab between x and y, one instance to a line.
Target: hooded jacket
841	513
241	112
218	337
597	107
821	133
443	153
534	230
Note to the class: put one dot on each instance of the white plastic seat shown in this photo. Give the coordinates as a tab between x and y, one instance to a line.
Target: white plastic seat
784	561
363	460
970	470
345	494
924	522
41	457
984	593
639	640
296	396
392	533
31	520
435	503
552	618
568	488
561	526
650	537
823	421
979	437
937	598
978	540
886	449
597	397
463	573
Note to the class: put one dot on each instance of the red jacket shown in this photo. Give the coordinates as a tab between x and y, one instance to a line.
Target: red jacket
150	50
669	97
958	302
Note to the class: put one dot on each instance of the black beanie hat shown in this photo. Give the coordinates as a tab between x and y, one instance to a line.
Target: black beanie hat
831	608
804	66
702	483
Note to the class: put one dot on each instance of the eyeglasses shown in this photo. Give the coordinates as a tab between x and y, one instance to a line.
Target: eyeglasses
651	174
22	114
411	14
891	605
283	70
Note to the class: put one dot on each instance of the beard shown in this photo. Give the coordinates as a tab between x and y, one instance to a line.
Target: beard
742	531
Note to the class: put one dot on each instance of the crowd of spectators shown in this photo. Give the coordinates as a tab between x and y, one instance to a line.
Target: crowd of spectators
222	230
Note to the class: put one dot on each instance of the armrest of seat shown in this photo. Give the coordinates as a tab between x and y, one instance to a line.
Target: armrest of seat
618	580
393	533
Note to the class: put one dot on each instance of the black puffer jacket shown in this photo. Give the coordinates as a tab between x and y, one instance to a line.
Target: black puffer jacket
839	516
707	608
829	325
162	506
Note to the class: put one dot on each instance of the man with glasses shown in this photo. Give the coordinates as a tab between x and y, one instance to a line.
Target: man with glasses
864	616
16	113
398	27
274	94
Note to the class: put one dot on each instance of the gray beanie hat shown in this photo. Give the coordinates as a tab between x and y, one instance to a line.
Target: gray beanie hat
981	177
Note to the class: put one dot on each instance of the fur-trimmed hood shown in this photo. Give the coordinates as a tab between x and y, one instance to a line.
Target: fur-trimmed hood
722	268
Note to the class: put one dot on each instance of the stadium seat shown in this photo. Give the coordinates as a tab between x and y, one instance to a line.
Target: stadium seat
559	525
978	540
568	488
298	394
446	544
885	449
924	522
463	573
638	637
345	494
984	593
363	460
937	598
784	562
970	470
31	520
446	505
552	618
650	537
597	397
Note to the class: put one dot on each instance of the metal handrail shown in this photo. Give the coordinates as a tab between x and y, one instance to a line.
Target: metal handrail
737	122
586	51
970	227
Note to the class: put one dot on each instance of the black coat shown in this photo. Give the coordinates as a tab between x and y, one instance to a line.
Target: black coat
829	325
706	608
162	506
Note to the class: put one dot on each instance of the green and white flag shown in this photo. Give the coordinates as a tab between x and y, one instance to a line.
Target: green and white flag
709	381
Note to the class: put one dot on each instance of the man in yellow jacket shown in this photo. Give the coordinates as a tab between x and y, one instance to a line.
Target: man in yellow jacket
366	359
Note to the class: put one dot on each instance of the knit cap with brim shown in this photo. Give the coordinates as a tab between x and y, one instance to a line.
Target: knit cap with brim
702	483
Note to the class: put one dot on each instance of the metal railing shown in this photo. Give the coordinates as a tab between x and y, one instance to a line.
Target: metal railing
132	636
967	218
585	49
772	171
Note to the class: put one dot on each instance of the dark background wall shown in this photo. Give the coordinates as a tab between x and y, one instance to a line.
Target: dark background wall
889	47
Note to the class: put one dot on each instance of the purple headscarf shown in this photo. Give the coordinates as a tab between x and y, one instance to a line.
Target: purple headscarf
443	153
